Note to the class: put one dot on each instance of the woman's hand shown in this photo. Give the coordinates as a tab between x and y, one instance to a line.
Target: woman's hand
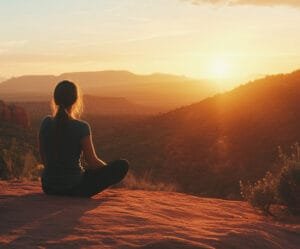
89	153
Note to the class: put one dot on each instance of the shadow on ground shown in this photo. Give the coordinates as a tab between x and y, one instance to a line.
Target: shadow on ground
49	219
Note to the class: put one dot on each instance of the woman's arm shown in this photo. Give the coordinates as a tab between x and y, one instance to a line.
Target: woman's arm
41	150
89	153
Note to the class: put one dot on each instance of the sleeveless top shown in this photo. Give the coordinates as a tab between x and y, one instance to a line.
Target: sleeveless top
64	171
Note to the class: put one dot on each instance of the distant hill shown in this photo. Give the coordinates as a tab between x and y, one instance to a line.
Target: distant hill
93	105
157	90
2	79
209	146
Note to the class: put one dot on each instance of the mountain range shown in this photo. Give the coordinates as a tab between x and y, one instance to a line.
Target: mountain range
157	90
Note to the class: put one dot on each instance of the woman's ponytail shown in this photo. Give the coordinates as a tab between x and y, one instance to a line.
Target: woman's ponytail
60	122
64	100
61	114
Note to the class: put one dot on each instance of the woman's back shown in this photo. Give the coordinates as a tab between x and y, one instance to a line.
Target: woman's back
62	140
62	163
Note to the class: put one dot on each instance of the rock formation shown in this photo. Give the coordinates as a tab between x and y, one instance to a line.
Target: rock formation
123	218
13	114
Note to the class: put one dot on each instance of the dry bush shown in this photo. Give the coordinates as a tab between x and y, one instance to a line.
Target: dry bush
288	188
281	188
261	194
17	161
145	183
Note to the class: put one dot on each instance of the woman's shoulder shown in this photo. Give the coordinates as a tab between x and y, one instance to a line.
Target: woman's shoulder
46	119
83	125
80	121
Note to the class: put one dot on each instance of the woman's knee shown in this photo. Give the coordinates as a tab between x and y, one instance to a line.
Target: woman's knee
46	190
124	165
120	167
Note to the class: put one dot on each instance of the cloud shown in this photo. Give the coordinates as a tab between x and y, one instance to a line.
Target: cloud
13	43
6	46
294	3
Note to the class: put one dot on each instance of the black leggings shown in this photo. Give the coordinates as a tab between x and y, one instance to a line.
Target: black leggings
96	180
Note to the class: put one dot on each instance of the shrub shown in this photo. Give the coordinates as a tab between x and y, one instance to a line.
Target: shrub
282	187
289	187
145	183
17	160
262	193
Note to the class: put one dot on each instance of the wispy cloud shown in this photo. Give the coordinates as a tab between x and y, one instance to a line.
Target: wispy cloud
12	43
294	3
6	46
154	36
75	43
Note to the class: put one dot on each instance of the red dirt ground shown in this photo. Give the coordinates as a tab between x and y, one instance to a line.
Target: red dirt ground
121	218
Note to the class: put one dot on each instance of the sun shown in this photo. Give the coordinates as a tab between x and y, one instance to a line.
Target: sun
220	68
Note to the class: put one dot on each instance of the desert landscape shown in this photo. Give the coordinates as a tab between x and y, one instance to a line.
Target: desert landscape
192	106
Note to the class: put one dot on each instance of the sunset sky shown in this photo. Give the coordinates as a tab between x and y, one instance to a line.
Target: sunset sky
226	40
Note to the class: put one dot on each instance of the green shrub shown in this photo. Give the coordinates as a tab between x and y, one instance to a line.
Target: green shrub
262	193
282	187
289	187
17	160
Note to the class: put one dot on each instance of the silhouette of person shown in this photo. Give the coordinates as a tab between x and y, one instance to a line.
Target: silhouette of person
63	139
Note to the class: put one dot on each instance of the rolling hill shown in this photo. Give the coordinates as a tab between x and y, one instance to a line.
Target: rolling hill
207	147
154	90
93	106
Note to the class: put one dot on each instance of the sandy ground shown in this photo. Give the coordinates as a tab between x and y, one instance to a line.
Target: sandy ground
120	218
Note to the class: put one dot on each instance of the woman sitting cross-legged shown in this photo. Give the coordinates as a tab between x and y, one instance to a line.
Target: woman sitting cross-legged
63	138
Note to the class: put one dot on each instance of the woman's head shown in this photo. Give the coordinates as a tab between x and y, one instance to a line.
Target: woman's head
67	98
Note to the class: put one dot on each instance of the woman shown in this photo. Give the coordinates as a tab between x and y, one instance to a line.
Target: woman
62	141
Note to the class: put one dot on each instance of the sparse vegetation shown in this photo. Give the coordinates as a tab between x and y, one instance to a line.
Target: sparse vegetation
288	189
281	188
145	182
18	158
261	194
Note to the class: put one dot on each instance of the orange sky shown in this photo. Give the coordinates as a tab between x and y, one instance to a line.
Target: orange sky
231	41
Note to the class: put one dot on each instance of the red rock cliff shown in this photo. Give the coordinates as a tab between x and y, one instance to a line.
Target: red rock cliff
13	114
